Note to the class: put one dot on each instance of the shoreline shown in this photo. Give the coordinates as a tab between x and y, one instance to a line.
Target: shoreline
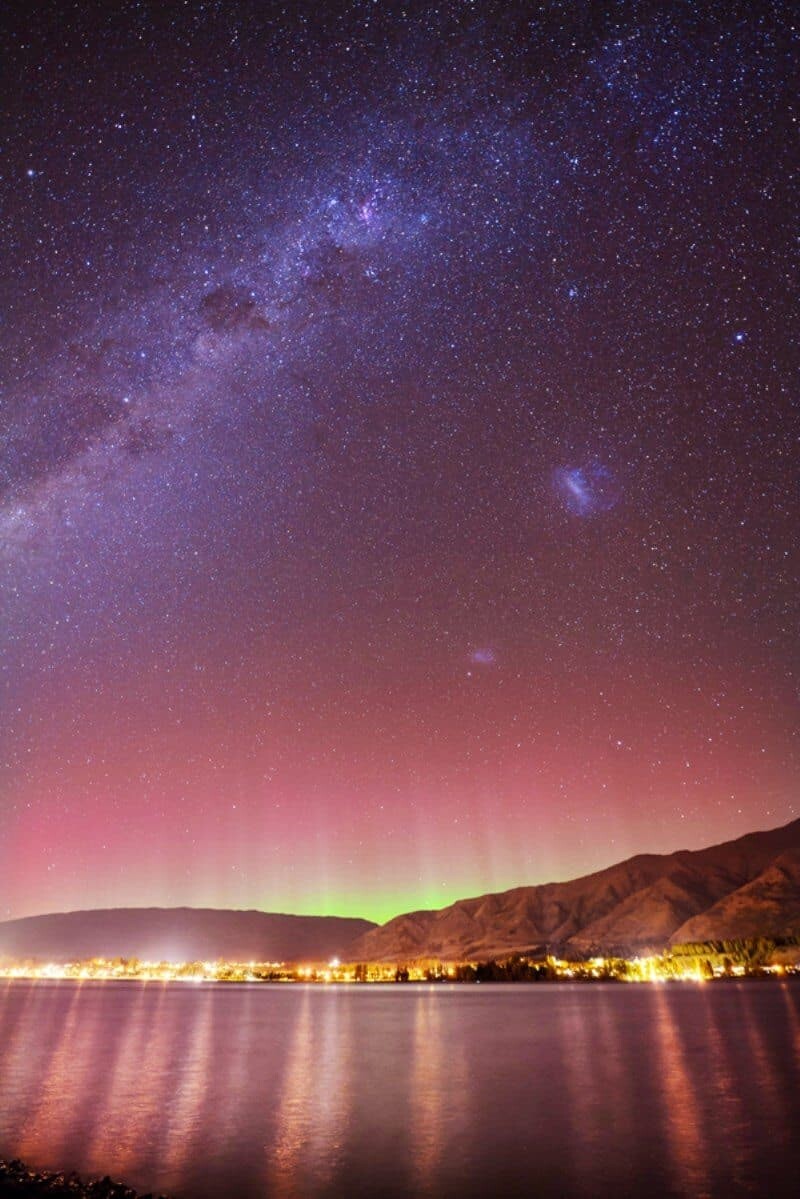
560	981
19	1179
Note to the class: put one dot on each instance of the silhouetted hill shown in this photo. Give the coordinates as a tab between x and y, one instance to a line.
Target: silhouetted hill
179	934
745	888
742	888
769	906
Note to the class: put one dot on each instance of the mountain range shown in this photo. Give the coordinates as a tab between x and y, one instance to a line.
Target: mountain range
745	888
749	887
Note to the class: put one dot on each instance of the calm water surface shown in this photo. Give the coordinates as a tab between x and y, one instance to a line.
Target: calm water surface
213	1091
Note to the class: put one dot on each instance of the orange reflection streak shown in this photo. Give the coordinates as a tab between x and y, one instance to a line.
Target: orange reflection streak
293	1119
439	1092
97	1046
49	1116
18	1069
577	1058
137	1089
764	1073
793	1017
614	1077
683	1115
728	1097
314	1103
229	1063
427	1132
8	1021
181	1120
232	1100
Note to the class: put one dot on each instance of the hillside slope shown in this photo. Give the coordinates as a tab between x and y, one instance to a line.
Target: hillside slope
769	906
746	887
179	934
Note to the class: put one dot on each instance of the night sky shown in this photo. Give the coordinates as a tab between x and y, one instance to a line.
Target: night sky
398	465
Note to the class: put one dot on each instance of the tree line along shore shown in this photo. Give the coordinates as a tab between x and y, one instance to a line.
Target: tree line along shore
702	961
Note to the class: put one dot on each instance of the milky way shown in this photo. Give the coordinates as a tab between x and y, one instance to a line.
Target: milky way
398	470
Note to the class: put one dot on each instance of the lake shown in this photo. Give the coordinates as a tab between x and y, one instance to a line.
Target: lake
213	1091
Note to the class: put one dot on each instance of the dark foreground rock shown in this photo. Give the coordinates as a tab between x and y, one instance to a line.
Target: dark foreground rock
19	1180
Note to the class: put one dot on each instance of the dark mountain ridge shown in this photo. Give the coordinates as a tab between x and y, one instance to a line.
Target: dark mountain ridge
179	934
746	887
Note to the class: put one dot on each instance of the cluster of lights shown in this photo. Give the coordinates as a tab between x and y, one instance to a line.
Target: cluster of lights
653	969
110	969
659	968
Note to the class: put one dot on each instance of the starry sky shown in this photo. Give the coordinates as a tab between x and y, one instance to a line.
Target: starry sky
398	462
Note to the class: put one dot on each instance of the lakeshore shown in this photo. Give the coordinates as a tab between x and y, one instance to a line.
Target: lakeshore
758	958
19	1181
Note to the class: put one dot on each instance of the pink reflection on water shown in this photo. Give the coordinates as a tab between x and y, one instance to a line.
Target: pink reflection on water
763	1070
283	1092
135	1085
44	1131
683	1115
312	1117
792	1017
439	1091
28	1046
579	1058
182	1118
728	1102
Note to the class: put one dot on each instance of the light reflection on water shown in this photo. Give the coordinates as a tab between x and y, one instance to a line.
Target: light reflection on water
293	1091
683	1118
